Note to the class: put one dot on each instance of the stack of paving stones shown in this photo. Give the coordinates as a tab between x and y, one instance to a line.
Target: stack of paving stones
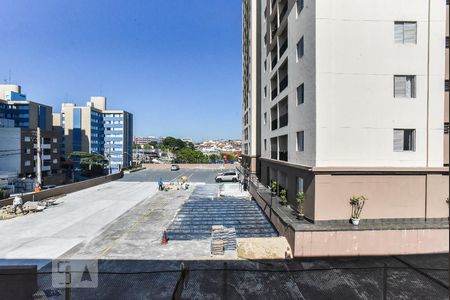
197	216
217	243
226	237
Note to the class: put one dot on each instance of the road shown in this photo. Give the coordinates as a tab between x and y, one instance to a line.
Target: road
195	175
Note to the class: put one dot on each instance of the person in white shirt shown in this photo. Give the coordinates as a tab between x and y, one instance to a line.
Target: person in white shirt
17	202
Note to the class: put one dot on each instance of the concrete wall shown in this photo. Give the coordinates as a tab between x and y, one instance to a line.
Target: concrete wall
65	189
18	282
356	61
381	242
389	196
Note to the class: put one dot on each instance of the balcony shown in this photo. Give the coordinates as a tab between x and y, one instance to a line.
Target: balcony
283	84
283	155
273	154
283	13
274	93
283	47
274	124
274	61
283	120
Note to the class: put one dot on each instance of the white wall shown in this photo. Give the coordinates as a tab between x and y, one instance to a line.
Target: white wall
356	61
10	140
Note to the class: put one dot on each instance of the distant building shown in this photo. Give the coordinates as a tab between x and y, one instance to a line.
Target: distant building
19	120
144	140
94	129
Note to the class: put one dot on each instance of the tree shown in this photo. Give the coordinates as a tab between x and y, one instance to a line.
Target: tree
90	163
173	144
214	157
190	156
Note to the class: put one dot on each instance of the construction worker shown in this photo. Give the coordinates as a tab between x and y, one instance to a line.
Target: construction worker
161	184
17	202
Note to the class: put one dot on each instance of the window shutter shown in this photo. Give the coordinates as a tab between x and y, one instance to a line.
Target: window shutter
398	32
410	32
398	139
399	86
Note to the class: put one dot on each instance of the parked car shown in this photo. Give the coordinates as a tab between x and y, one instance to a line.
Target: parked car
227	176
174	168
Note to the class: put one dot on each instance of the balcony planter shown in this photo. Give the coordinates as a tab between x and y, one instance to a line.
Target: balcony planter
283	198
357	203
300	197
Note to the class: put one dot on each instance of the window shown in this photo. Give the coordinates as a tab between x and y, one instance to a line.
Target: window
300	5
299	185
300	94
265	118
300	141
27	139
405	32
446	86
405	86
265	91
404	140
55	150
300	49
265	144
55	140
446	128
265	65
27	163
55	161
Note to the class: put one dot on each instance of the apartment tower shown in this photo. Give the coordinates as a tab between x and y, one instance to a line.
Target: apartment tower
347	97
95	129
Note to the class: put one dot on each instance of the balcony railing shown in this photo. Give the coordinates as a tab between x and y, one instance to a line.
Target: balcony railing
283	13
283	84
283	120
274	62
283	47
274	93
274	124
273	155
283	155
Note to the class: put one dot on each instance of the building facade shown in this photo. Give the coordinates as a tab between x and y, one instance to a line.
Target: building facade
94	129
251	83
349	100
18	137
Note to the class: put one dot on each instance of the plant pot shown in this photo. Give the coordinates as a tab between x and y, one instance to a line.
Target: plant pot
355	221
301	216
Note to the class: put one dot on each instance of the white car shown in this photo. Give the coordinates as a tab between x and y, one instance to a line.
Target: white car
231	176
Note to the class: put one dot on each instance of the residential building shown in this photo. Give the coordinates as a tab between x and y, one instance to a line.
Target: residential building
144	140
20	121
94	129
251	82
350	101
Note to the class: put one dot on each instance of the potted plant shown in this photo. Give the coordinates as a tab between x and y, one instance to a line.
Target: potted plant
283	197
273	187
300	197
357	203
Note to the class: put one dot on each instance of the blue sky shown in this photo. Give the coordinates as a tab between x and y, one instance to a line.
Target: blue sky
176	65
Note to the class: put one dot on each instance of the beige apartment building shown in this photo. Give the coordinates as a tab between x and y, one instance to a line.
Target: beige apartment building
350	100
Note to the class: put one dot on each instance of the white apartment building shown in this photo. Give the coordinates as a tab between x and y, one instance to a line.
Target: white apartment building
351	102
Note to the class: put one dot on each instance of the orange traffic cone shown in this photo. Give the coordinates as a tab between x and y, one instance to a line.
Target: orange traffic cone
164	239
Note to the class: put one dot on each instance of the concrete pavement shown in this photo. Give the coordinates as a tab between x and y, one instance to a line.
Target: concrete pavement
77	217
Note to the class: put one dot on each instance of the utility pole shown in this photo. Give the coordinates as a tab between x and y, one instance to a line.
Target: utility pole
39	158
